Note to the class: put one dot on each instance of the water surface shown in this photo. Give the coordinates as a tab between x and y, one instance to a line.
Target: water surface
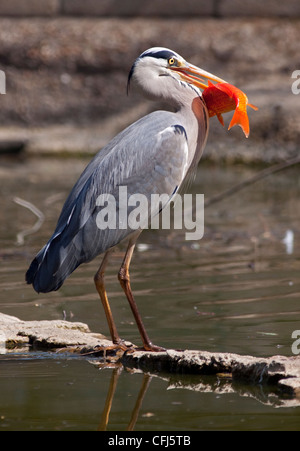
236	290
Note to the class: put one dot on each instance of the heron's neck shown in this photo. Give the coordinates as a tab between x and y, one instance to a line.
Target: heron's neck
182	95
195	119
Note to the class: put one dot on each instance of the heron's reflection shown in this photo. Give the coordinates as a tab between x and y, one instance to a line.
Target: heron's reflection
117	370
221	384
109	399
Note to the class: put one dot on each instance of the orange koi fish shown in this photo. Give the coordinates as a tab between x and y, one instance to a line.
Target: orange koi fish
223	97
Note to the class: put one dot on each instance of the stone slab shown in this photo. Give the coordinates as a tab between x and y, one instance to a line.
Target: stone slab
280	371
258	8
25	8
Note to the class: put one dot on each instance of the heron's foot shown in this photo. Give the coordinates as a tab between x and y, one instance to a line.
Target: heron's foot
153	348
121	346
112	350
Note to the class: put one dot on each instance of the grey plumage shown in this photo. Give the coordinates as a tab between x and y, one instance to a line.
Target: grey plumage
155	155
124	161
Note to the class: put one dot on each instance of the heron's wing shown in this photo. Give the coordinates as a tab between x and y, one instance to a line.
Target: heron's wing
148	157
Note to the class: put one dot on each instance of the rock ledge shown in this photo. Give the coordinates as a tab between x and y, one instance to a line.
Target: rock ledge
64	336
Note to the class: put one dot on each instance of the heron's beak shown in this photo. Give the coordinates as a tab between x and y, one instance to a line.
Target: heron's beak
194	75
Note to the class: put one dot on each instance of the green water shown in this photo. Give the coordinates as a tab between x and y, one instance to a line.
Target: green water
236	290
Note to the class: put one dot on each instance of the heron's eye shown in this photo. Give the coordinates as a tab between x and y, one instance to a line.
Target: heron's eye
172	61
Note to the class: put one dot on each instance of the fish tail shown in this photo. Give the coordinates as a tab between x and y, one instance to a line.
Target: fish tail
240	118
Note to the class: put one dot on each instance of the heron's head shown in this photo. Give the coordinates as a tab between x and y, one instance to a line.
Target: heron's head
162	73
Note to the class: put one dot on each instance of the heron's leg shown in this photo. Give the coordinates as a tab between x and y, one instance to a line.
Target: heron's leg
124	279
99	282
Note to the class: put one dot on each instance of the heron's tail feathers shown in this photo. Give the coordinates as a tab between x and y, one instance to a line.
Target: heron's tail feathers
52	265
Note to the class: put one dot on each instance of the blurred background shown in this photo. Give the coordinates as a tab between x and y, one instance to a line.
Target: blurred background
237	290
66	64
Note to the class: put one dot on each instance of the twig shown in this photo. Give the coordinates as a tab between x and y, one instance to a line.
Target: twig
262	174
37	225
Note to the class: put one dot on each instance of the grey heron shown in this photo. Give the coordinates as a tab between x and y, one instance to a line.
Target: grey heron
153	155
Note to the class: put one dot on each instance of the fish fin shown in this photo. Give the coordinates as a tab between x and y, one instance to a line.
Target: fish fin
252	106
240	118
220	117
